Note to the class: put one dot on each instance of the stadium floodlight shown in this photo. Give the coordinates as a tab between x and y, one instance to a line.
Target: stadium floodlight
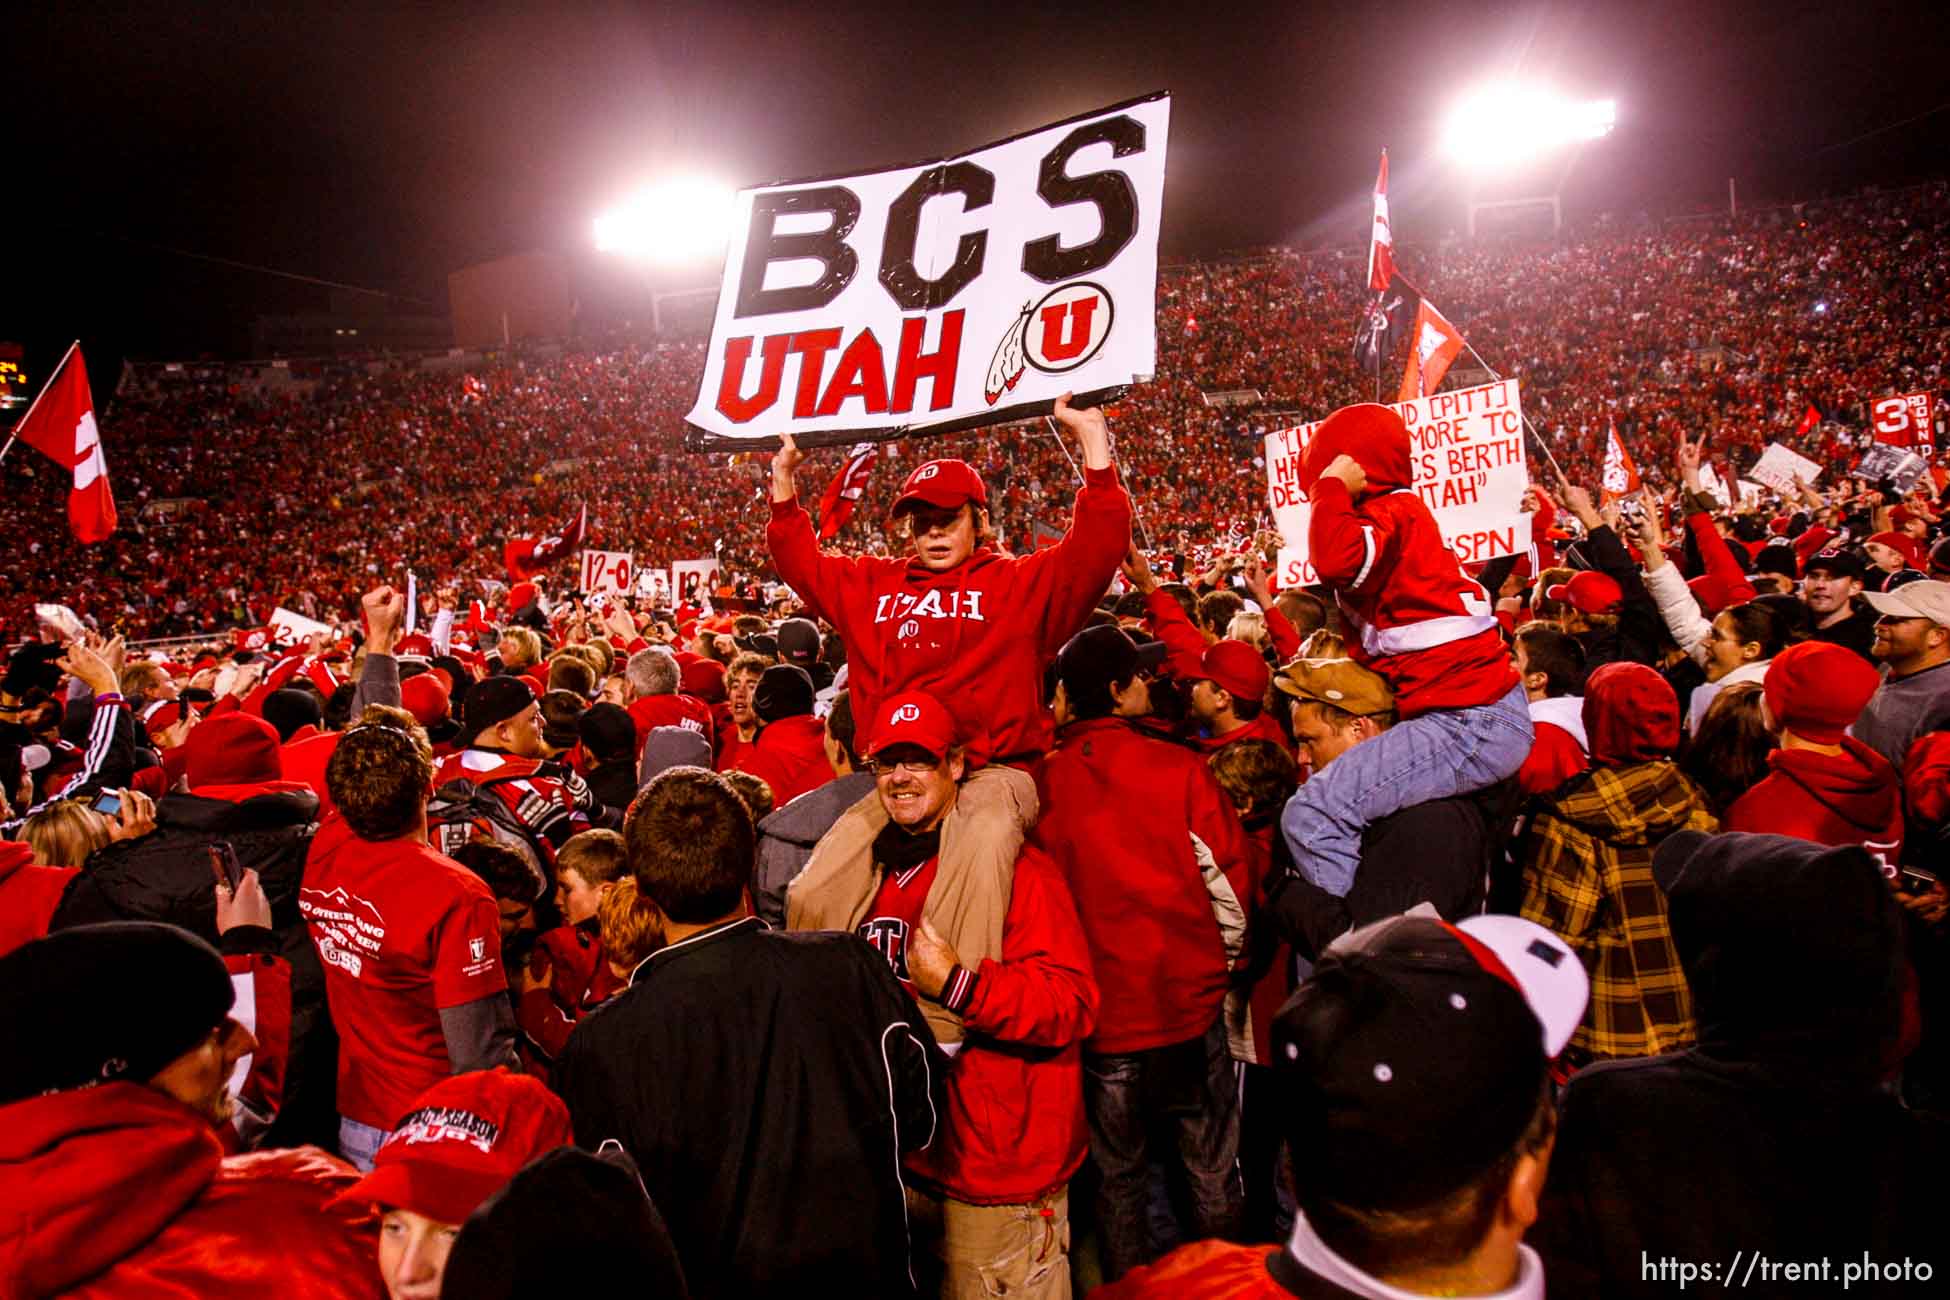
673	222
1507	123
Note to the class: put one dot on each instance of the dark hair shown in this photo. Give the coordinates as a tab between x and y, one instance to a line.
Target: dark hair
1796	622
1761	624
1183	594
755	790
839	725
597	855
1556	654
1728	755
506	872
1242	708
338	709
1216	608
1306	611
572	673
1384	1242
691	844
1258	776
378	776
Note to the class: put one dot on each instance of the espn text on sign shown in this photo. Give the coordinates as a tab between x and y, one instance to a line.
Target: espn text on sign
955	293
1467	451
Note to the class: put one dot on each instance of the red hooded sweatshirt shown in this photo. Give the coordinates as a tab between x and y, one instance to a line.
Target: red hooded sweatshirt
28	894
977	635
1854	797
1416	617
122	1191
789	756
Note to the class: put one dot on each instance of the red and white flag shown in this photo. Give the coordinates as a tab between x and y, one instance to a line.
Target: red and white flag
1621	475
61	425
528	556
1436	344
846	489
1381	247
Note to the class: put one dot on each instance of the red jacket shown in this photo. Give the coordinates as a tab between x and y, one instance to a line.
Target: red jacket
976	637
1413	615
121	1191
28	894
304	761
789	755
1120	810
649	712
1557	753
1854	797
1012	1128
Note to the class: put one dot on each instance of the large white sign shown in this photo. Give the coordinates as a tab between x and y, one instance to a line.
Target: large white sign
691	580
1467	452
606	573
954	293
1778	468
292	628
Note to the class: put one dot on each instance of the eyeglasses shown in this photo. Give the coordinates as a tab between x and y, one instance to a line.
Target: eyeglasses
912	766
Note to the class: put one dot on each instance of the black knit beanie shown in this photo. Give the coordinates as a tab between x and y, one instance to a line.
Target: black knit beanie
100	1003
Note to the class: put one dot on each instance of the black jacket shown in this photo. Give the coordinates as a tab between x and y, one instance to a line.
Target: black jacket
1436	852
1771	1136
166	876
766	1084
1857	632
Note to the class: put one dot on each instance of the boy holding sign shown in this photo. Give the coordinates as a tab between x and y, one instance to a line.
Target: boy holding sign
1415	618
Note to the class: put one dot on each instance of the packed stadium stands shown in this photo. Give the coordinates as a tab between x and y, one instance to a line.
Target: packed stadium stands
304	495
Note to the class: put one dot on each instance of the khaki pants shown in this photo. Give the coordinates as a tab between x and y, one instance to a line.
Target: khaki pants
970	1252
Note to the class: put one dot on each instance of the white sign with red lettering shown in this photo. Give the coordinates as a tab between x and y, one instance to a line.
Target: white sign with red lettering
692	580
1467	452
608	573
1906	420
949	294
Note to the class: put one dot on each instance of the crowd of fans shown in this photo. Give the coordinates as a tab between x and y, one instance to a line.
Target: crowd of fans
1725	331
917	918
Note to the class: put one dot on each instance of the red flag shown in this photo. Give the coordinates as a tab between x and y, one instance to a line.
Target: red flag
61	425
846	489
1809	419
528	556
1621	475
1437	343
1381	247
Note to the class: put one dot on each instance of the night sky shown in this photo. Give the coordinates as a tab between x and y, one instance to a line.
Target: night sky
385	146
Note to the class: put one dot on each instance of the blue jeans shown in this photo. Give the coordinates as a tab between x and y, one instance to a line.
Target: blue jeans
1186	1096
1433	756
359	1143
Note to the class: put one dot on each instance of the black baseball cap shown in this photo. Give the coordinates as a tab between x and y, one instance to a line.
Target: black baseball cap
1415	1055
607	732
1841	562
1940	558
1097	657
798	641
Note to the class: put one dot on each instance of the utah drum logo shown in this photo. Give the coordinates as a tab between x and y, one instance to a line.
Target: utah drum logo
1062	332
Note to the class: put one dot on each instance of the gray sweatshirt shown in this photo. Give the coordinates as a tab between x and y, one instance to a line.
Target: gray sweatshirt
1902	709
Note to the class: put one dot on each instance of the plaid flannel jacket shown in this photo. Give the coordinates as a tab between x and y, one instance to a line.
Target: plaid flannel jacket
1588	877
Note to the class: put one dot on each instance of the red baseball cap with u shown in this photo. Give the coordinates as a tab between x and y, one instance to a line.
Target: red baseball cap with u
1238	668
946	484
463	1140
914	718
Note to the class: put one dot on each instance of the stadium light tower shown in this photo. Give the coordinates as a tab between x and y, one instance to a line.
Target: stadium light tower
674	222
668	228
1500	130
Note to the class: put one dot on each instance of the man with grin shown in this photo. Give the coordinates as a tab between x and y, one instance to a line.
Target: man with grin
989	1196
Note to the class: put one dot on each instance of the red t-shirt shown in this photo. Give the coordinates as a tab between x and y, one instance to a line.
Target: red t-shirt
896	913
402	933
670	710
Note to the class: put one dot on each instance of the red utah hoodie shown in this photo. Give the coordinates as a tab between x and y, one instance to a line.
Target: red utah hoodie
976	637
1417	618
1854	797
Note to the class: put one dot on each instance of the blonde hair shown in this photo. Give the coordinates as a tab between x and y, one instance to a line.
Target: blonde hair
629	925
63	834
1249	627
530	643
